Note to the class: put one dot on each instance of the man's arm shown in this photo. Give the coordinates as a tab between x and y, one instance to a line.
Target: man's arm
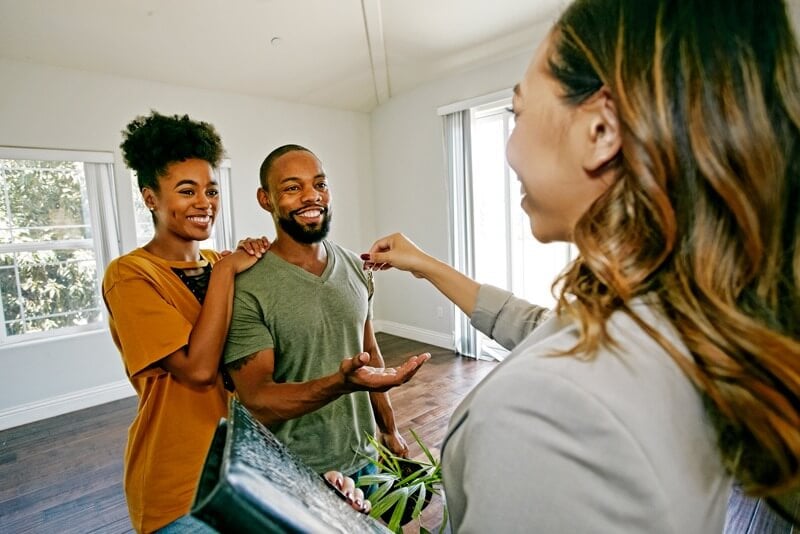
381	405
273	402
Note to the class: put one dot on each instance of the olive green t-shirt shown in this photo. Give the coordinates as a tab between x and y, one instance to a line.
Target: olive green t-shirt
312	323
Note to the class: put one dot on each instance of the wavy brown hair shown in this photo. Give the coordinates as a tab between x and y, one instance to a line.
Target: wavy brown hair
705	212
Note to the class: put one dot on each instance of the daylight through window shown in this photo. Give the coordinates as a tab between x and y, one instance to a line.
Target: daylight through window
55	237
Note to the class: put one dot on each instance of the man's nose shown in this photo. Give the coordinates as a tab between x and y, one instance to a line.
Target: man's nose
310	194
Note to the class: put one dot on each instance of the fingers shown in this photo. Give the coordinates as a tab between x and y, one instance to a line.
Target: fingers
335	478
346	486
361	359
379	256
366	507
383	244
254	246
383	379
396	443
350	365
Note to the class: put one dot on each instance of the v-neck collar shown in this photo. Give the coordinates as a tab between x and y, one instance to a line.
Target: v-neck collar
322	278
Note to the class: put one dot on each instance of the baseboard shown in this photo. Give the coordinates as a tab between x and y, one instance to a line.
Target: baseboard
417	334
61	404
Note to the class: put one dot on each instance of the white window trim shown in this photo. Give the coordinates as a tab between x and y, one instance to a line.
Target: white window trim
476	102
103	220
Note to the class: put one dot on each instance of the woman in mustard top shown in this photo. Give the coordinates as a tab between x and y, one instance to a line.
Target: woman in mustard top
169	306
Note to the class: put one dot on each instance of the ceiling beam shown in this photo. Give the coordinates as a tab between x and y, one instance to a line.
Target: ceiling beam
373	26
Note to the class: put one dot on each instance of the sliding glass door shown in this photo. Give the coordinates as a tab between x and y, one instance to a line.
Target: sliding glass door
491	235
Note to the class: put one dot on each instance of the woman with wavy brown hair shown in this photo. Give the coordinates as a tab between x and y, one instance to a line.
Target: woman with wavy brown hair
663	139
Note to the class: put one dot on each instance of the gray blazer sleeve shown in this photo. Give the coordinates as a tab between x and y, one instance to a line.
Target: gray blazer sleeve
504	317
552	458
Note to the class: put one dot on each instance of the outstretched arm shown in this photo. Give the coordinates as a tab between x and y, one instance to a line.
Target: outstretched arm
197	363
401	253
273	402
495	312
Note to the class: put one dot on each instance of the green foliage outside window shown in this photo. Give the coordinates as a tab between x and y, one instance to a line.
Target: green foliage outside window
48	268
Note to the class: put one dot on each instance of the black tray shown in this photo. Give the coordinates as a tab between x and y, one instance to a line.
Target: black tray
252	483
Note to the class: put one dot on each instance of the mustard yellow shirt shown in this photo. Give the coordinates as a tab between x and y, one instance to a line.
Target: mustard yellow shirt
151	314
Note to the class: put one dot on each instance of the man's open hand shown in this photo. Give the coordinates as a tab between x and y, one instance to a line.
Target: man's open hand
358	376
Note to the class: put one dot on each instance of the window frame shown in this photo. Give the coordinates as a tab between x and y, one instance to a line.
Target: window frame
103	220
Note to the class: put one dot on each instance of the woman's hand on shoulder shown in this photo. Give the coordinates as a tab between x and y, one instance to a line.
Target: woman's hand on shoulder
248	251
255	246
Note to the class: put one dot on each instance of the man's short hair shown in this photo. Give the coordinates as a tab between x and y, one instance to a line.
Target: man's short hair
266	166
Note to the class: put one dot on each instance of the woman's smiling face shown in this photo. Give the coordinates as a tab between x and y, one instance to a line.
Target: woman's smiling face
554	150
187	201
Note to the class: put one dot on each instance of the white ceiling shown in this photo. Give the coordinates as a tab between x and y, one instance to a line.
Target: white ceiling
347	54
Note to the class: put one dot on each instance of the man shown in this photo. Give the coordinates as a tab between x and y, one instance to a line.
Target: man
296	314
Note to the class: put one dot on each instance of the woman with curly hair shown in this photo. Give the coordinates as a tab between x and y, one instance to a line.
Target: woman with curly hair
169	313
662	138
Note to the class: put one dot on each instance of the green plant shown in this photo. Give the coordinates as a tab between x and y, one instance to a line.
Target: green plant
405	486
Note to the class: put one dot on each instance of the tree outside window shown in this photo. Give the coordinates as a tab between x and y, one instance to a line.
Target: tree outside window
49	257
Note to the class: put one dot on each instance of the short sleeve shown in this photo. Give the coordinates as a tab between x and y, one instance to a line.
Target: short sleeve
248	332
148	328
545	456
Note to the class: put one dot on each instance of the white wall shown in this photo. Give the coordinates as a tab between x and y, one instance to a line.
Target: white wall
58	108
387	172
411	190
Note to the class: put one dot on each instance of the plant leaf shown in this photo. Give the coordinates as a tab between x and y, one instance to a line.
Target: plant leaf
378	494
385	503
399	510
377	478
423	447
421	494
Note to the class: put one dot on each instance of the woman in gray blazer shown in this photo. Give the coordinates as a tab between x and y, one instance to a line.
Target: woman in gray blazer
663	139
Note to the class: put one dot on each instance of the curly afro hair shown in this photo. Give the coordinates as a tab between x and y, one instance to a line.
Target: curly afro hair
150	143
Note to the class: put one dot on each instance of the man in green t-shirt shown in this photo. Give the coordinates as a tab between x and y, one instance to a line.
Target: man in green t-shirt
299	315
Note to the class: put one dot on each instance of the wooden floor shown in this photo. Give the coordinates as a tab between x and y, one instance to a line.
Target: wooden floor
65	474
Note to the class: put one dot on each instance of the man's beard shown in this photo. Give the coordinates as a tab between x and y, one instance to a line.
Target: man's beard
306	234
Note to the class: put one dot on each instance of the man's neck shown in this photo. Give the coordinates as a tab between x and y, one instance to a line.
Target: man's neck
309	256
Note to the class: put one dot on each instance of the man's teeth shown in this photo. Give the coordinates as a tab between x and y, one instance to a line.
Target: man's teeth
311	213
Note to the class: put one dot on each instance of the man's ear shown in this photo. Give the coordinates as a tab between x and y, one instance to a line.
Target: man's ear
263	199
605	139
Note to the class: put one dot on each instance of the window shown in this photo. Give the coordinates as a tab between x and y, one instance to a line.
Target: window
506	253
491	237
222	234
57	233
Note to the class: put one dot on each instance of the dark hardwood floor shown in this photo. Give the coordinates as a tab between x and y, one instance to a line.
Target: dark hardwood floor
65	474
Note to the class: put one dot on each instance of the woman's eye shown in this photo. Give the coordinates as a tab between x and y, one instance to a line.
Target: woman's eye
186	192
213	193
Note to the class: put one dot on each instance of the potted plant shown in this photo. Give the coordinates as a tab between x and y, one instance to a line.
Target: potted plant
405	486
